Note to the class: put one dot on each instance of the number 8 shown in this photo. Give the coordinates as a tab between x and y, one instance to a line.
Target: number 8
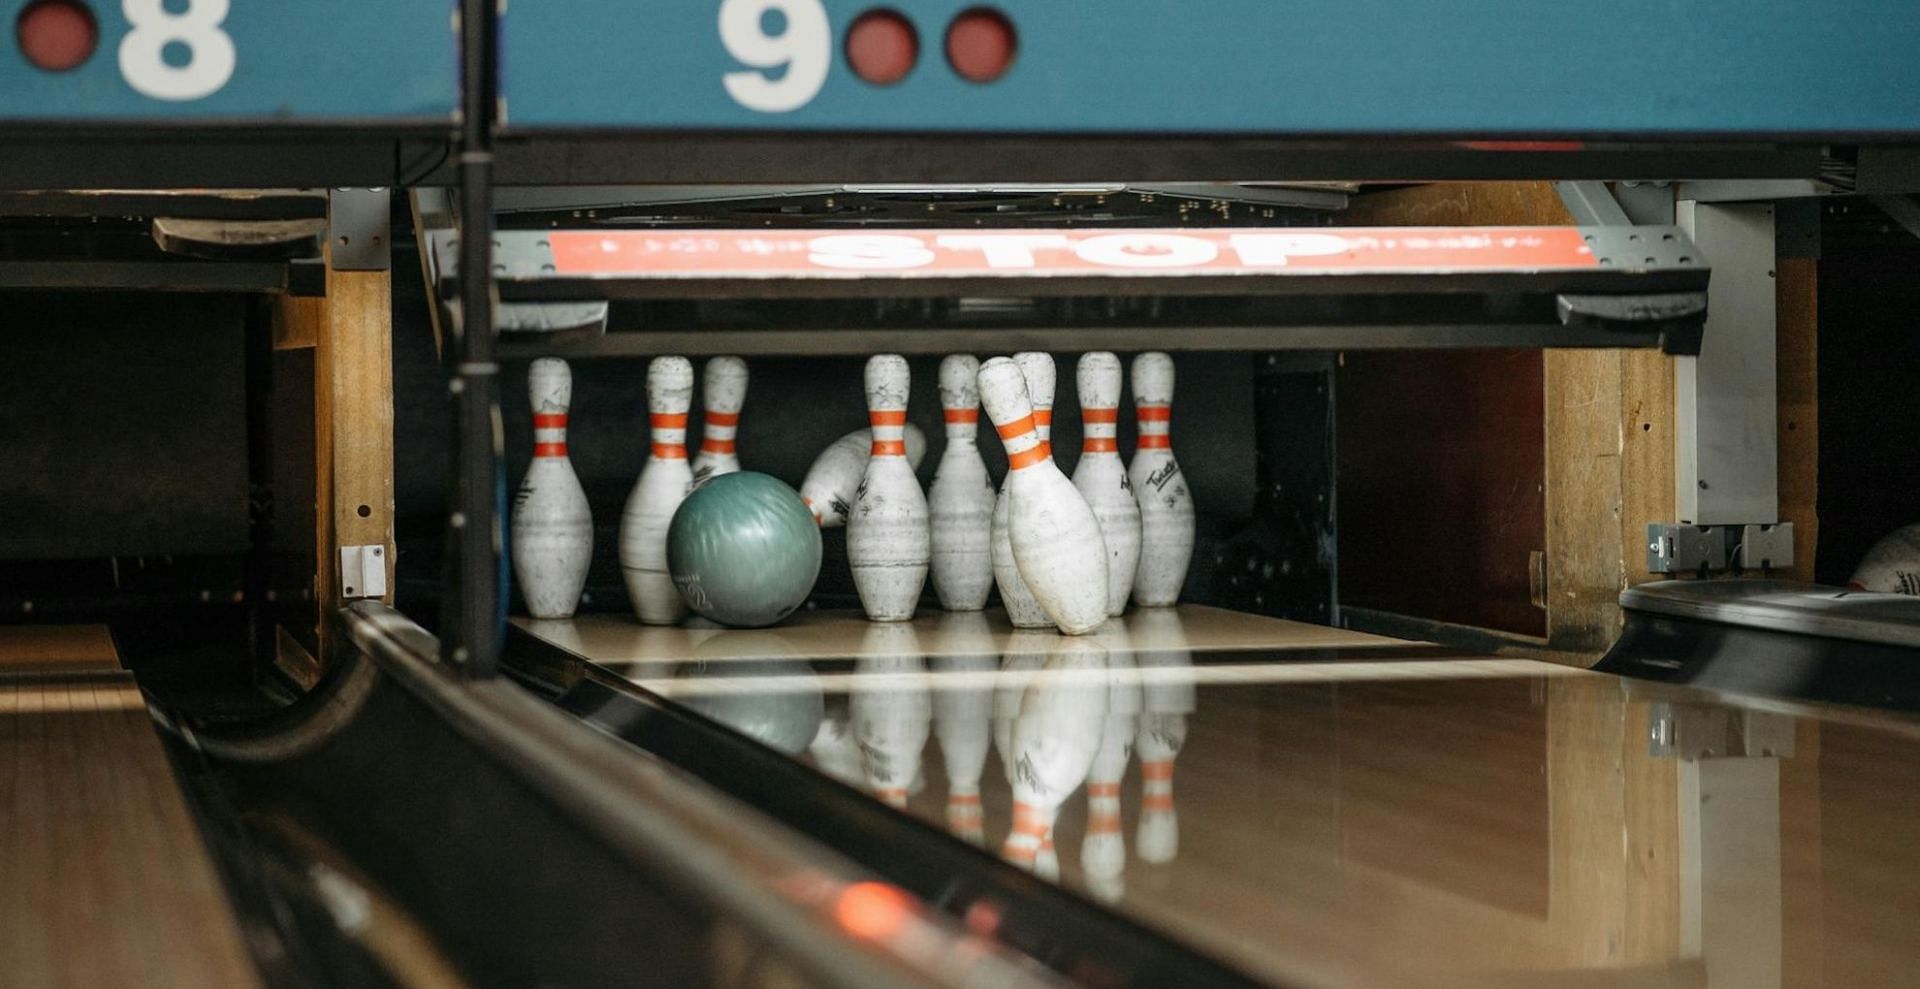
210	59
805	48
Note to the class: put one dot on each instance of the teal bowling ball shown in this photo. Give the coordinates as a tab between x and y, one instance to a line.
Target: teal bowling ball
743	550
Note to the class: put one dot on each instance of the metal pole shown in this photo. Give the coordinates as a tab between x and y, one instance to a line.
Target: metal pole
472	606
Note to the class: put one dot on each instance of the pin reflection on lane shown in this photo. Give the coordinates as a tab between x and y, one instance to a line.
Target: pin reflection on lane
892	711
963	717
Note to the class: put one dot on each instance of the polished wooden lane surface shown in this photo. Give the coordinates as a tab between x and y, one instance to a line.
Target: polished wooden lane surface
615	640
1417	820
104	880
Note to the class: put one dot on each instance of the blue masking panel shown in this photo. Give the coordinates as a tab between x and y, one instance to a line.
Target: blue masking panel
264	61
1387	67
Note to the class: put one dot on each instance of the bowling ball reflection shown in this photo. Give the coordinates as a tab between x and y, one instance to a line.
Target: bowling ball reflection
772	701
744	550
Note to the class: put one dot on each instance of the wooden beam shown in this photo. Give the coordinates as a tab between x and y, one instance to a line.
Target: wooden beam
1797	343
353	431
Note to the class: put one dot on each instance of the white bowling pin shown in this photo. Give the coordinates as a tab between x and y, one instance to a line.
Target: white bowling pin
1102	478
892	712
1166	507
723	391
1023	609
889	541
1892	565
1161	643
963	716
1053	737
662	486
835	475
1103	853
552	525
1054	535
961	499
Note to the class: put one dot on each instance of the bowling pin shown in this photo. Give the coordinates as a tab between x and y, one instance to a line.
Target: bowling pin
835	474
662	486
1166	508
1102	478
552	525
892	711
963	715
723	391
889	541
1053	737
962	497
1160	639
1053	533
1103	854
1892	565
1023	609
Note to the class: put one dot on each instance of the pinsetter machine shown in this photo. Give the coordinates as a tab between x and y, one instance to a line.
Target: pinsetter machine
1508	651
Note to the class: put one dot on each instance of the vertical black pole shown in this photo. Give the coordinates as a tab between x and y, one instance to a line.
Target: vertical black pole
258	578
471	616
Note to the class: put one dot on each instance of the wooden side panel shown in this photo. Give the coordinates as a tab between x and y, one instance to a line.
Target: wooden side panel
1797	342
1605	469
1442	455
1440	485
353	428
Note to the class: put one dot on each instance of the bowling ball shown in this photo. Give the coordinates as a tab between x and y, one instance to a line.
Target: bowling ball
743	550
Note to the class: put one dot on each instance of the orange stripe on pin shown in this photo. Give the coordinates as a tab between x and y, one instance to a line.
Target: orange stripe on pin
1100	444
1099	415
889	448
1018	427
670	451
963	416
550	420
1156	413
723	418
1155	441
1028	457
668	420
1156	771
716	446
549	449
888	417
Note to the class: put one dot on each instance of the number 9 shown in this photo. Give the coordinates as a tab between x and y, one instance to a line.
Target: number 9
805	48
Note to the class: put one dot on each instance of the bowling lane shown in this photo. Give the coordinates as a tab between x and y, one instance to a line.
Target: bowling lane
1316	807
620	643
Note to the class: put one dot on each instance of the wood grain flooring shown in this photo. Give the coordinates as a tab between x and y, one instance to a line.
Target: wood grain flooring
104	880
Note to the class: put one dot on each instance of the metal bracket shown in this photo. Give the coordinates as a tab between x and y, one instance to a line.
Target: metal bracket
1902	210
358	221
1692	733
1678	548
1592	204
1675	548
363	572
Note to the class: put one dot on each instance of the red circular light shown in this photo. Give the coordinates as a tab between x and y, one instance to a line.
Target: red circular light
57	35
882	46
980	44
